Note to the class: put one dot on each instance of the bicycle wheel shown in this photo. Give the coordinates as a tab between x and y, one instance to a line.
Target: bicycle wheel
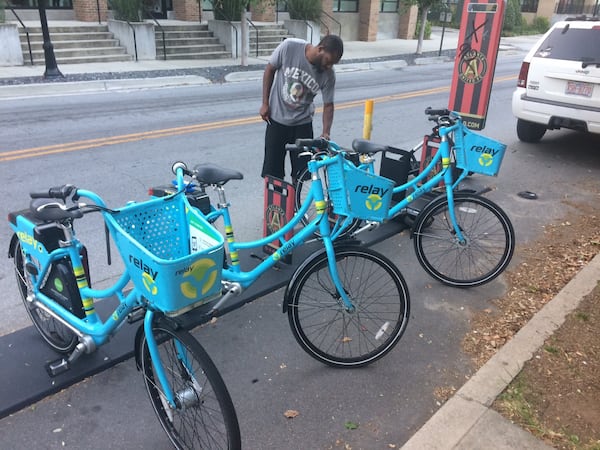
302	189
487	250
204	417
58	336
324	327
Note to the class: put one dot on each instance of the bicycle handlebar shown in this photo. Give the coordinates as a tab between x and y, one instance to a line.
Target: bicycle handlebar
437	112
62	192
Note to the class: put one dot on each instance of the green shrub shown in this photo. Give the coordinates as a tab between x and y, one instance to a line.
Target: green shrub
427	34
513	20
541	24
128	10
2	13
304	9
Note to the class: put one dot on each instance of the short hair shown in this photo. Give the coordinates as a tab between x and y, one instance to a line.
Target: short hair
333	44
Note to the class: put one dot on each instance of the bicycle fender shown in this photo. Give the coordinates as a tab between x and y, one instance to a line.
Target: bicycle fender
348	243
12	246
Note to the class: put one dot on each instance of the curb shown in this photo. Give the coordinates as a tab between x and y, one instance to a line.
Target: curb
82	87
457	421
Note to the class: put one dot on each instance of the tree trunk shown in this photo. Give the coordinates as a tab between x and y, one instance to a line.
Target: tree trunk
424	12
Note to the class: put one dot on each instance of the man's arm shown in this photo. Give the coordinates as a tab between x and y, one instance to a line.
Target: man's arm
327	119
268	77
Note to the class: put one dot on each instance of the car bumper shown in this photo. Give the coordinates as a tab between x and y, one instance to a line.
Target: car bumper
534	110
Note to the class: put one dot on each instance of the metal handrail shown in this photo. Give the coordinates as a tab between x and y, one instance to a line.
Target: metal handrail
255	29
162	30
25	29
334	19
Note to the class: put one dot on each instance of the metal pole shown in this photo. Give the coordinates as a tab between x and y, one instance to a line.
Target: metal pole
442	39
51	67
368	120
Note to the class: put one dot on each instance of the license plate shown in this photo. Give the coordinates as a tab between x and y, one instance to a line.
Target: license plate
579	88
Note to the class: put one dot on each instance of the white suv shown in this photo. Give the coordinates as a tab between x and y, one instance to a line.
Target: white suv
559	82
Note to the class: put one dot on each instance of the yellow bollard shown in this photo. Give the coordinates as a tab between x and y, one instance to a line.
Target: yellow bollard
368	122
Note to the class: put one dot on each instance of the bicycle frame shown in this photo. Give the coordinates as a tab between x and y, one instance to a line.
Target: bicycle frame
445	175
234	273
91	329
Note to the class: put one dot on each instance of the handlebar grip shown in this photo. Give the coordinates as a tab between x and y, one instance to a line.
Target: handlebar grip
321	144
62	192
437	112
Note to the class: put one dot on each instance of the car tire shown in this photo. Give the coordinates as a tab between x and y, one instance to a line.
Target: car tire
530	131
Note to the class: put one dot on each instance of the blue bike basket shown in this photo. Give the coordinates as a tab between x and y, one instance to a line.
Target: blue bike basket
173	255
357	193
477	153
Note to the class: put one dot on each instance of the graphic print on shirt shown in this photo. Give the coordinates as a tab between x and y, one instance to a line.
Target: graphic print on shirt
299	87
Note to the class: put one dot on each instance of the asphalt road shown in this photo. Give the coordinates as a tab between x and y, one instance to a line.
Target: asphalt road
266	371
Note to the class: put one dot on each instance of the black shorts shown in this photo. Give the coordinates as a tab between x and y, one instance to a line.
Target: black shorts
276	137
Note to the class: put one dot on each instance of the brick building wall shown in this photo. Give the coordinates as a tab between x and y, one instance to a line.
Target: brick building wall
368	11
188	10
87	10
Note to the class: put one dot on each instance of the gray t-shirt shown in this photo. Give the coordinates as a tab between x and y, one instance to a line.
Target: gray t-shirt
296	83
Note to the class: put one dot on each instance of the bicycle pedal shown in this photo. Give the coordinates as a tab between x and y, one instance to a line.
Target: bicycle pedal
57	367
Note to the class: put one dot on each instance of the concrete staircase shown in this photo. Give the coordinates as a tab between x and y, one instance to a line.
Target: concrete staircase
193	41
269	36
74	45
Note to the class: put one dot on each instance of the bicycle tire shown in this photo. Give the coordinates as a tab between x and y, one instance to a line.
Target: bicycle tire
301	189
57	335
205	416
489	246
322	325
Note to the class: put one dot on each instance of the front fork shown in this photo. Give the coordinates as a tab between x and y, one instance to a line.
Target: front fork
183	398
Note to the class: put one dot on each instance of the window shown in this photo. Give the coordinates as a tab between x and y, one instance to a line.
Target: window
50	4
570	7
571	44
529	5
389	6
207	5
345	5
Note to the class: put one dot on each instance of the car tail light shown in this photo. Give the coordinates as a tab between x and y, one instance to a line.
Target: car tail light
522	81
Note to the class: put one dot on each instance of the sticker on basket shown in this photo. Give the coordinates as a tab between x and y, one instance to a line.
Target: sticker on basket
200	239
203	275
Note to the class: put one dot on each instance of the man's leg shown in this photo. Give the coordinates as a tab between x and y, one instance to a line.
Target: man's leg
275	140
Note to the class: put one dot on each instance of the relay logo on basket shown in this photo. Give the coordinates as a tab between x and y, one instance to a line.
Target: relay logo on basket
203	275
374	199
487	154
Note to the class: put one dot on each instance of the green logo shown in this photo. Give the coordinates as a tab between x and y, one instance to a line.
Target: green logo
58	284
373	202
204	275
486	159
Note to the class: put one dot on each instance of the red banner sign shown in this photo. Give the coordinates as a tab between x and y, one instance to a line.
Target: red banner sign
475	62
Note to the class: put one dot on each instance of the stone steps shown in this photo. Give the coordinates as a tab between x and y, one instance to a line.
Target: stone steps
194	41
74	45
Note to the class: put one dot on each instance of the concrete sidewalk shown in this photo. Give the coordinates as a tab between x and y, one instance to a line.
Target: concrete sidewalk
28	81
466	421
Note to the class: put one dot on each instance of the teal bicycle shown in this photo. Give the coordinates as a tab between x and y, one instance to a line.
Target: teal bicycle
460	238
171	256
347	305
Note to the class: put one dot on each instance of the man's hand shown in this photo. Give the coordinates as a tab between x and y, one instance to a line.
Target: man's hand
265	113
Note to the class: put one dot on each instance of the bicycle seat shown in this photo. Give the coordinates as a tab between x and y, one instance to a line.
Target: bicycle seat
50	210
364	146
212	174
